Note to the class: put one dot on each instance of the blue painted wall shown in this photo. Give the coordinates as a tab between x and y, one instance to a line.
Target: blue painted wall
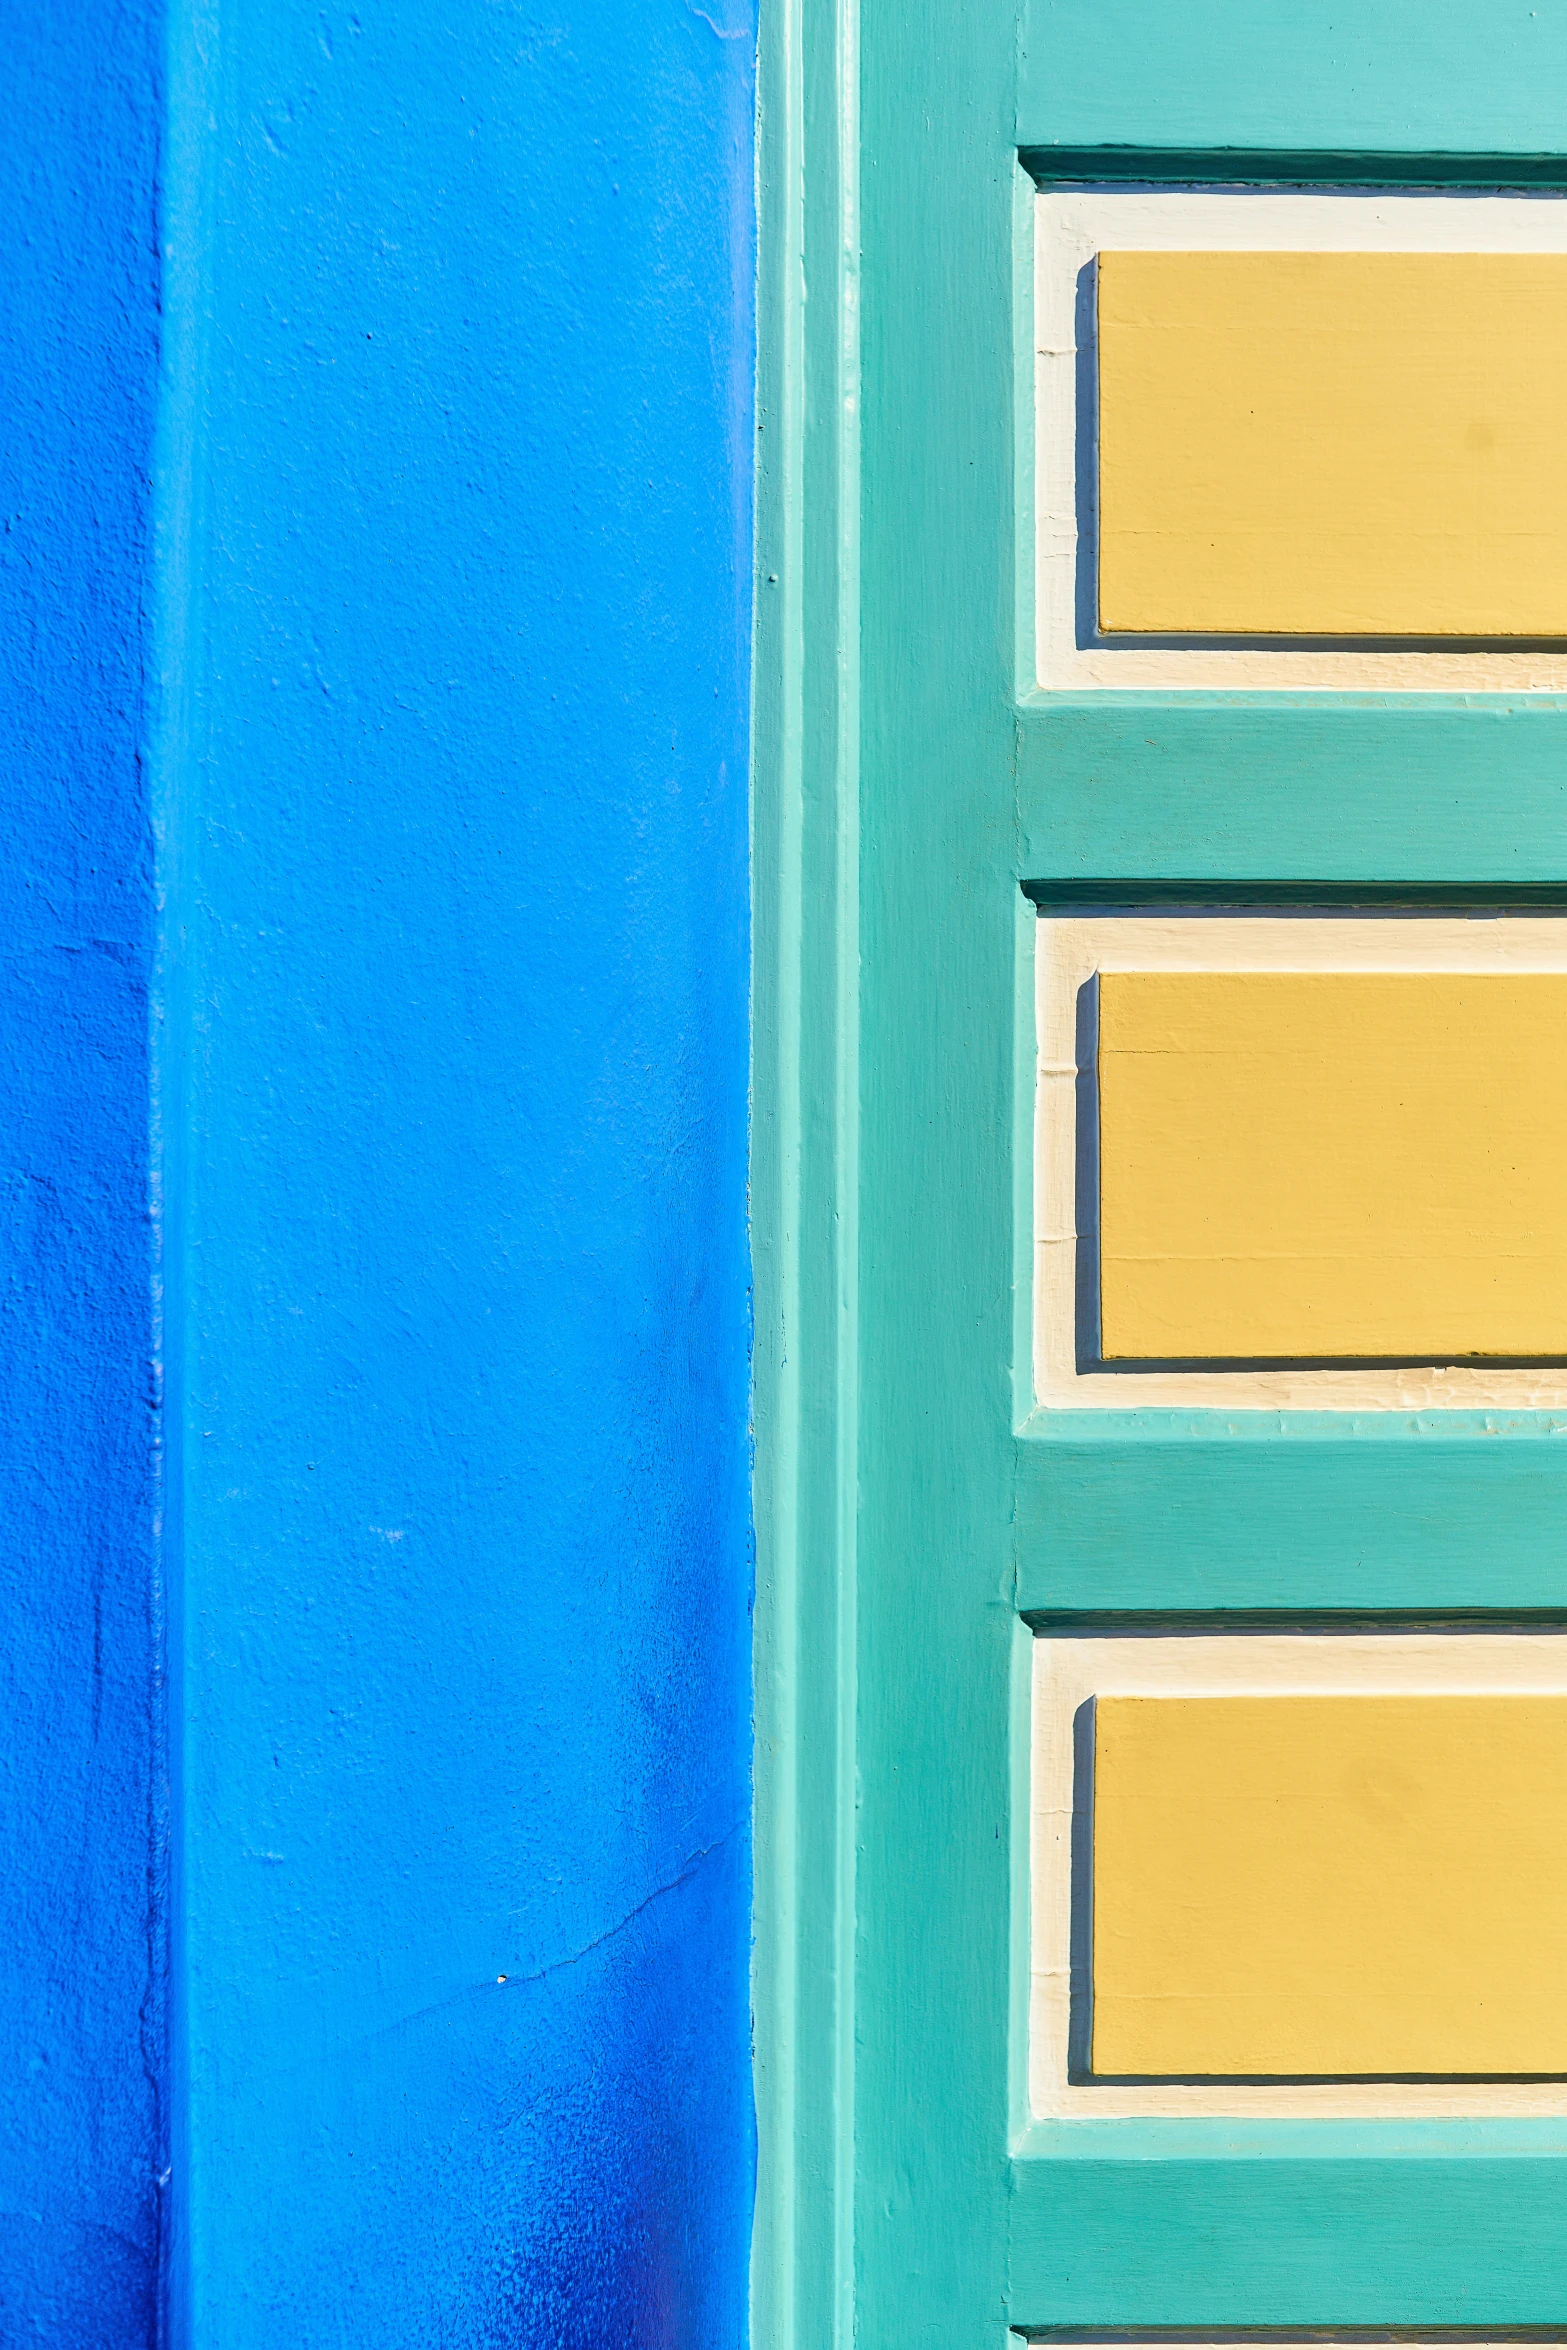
80	1930
459	933
434	631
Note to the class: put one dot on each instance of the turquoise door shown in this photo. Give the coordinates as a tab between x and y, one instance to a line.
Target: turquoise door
1096	1995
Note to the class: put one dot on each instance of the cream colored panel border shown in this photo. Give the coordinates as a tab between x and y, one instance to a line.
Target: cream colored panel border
1074	224
1069	1673
1070	949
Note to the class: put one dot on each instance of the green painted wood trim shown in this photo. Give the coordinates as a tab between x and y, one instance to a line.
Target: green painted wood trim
942	1693
1281	789
1394	77
1303	1511
908	1501
1277	2239
805	1090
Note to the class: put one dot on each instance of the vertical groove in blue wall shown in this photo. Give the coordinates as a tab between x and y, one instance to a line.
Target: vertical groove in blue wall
453	625
186	166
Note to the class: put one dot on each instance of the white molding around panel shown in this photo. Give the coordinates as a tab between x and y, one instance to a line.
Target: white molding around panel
1072	226
1070	950
1070	1672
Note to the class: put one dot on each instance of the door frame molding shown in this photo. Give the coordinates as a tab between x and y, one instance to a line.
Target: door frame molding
804	1171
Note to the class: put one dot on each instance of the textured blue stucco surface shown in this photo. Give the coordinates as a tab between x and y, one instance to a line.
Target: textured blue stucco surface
80	1927
454	1069
377	542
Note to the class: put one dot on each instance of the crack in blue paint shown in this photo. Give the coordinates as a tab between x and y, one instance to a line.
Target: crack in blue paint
687	1870
570	1958
743	32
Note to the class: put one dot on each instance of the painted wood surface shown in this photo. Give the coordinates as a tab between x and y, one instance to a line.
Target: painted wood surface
1422	85
1333	1148
914	1497
1083	1676
1087	234
1349	791
1330	1886
1333	444
1211	1513
1332	1164
1214	2224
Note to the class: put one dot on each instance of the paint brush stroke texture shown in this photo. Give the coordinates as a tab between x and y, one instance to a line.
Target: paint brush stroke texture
1413	77
463	1335
1329	1885
1334	1164
1332	444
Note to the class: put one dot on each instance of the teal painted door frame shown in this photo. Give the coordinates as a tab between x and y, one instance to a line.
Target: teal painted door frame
916	1517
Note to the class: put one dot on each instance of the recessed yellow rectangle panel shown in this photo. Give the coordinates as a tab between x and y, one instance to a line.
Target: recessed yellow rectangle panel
1308	1166
1333	444
1288	1886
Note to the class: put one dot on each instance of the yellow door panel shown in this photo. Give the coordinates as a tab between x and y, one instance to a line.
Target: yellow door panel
1330	1885
1304	1165
1333	444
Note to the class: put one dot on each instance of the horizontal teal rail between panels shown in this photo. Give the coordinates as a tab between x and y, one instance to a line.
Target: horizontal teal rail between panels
1286	2241
1257	1510
1417	77
1412	790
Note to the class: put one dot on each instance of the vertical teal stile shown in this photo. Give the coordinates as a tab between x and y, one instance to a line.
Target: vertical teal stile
938	639
846	1128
